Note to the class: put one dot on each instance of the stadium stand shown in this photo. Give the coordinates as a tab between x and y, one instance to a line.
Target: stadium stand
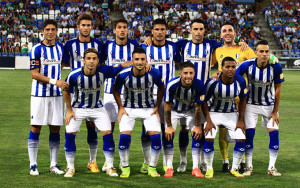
21	20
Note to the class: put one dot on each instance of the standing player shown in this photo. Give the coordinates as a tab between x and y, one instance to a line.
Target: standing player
73	57
183	98
46	96
86	84
223	111
233	50
116	52
265	90
139	103
162	55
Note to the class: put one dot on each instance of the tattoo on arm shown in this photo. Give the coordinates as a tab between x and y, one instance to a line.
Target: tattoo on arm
168	117
197	114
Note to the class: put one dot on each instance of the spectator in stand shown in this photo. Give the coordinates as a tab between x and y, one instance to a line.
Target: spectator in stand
67	36
24	48
17	48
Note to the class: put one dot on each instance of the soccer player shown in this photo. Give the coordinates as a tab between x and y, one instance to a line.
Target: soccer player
116	52
222	110
86	84
46	96
231	49
183	97
162	55
265	89
139	103
73	57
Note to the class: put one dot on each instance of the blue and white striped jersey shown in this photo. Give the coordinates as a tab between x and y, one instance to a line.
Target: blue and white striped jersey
183	99
74	50
261	81
48	60
199	54
88	89
163	58
117	54
138	91
223	95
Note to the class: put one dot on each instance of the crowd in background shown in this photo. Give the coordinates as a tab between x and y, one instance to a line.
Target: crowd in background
21	25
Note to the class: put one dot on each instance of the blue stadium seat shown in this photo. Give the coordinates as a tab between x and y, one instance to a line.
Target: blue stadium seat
11	54
17	54
24	54
4	53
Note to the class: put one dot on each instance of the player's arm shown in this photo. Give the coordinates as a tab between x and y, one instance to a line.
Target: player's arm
160	95
241	123
148	41
41	78
274	114
215	75
197	130
244	46
169	131
116	93
70	113
209	124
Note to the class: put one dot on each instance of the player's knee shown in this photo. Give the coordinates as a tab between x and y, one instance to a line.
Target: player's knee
36	128
54	129
271	130
106	132
209	139
90	124
153	133
240	140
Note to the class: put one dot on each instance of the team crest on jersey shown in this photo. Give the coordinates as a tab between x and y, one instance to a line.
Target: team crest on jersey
202	97
221	56
238	56
115	66
281	76
149	84
245	90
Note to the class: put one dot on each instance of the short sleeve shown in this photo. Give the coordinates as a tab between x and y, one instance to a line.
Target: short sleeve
157	77
169	92
200	92
66	54
119	81
278	74
244	91
35	55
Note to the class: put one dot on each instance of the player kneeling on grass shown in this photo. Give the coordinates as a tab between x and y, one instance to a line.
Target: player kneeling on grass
222	110
139	103
265	88
86	84
183	98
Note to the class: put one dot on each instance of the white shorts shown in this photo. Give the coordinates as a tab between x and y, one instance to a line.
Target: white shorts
46	111
251	116
98	115
186	118
71	95
229	121
151	123
111	106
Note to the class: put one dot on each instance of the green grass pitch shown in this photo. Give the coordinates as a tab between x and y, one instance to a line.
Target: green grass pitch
15	90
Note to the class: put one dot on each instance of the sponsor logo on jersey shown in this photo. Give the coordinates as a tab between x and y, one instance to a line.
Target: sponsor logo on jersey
260	83
51	61
238	56
159	61
117	61
90	90
195	58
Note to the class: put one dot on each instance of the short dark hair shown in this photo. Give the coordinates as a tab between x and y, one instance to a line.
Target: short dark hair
261	42
138	50
197	21
48	22
227	23
90	50
122	20
187	64
84	16
227	59
159	21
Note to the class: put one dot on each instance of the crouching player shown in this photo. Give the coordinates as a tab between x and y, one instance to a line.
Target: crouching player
139	103
264	95
183	98
223	111
86	84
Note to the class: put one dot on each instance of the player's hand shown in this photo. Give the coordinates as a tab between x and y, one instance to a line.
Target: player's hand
156	111
241	125
275	118
169	133
273	59
62	84
122	111
148	41
148	67
69	115
197	132
215	76
208	128
244	46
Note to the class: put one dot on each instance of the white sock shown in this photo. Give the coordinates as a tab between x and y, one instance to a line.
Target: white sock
70	157
33	147
93	152
248	154
209	158
236	159
183	153
54	150
169	153
272	158
195	157
201	157
146	151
